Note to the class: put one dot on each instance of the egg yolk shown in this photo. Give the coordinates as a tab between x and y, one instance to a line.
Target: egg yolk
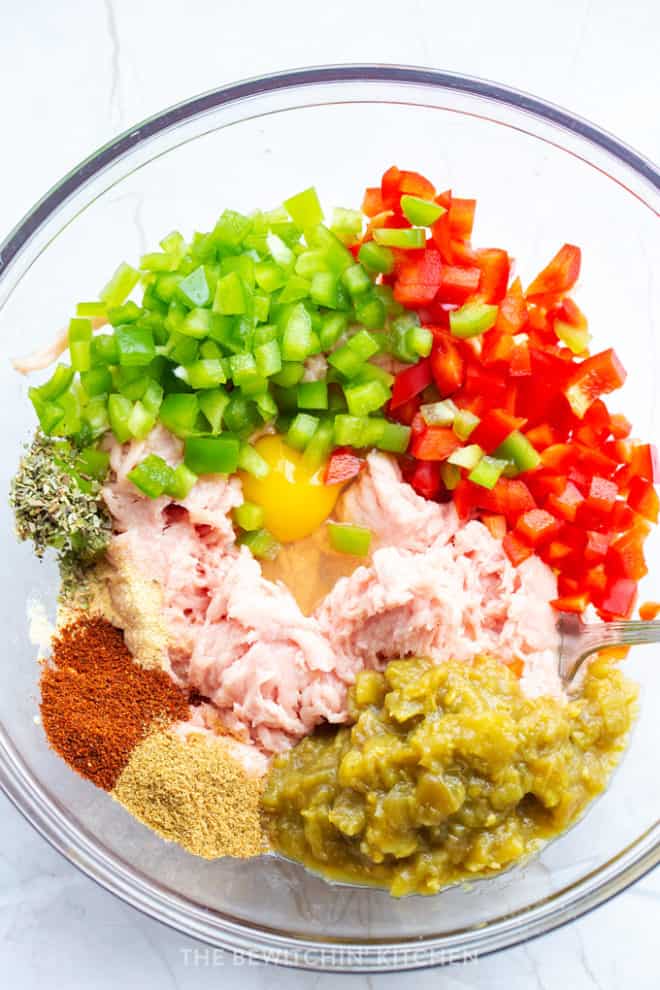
294	499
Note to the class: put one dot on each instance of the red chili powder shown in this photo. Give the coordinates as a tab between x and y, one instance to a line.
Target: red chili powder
97	704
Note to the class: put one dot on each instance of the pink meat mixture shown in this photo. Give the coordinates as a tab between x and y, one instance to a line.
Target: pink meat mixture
270	673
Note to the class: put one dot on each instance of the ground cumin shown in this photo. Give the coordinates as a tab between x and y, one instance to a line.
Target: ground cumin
97	704
192	791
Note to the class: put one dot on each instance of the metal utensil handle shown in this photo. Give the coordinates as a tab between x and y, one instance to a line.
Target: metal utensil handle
628	633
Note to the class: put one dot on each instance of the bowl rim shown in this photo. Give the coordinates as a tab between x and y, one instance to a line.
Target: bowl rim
79	848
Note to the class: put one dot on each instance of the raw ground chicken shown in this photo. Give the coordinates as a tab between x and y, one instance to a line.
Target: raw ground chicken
270	673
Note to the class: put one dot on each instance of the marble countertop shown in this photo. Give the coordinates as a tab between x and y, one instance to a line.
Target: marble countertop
73	75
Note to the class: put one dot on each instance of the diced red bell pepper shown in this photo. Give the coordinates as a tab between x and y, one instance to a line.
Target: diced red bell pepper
406	412
397	182
626	555
342	466
556	552
494	428
649	611
569	312
497	348
494	265
510	498
594	377
565	505
622	519
596	547
516	549
619	599
418	280
457	284
372	204
601	496
644	462
410	382
485	382
435	443
512	315
441	231
425	478
461	218
447	365
620	427
571	603
496	525
520	364
541	436
643	498
595	580
537	526
543	483
559	275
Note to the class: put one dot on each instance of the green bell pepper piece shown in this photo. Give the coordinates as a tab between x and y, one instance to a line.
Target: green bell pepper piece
120	285
465	422
364	344
487	472
376	258
366	397
301	431
212	455
231	229
420	341
313	395
395	438
332	327
96	381
324	290
59	382
93	463
421	212
319	447
296	288
439	413
129	312
472	319
451	475
355	279
404	237
304	208
251	461
92	309
269	276
241	415
466	457
206	373
358	431
140	422
345	538
298	339
280	252
230	295
517	448
179	412
181	484
370	312
80	339
346	360
261	544
346	224
213	404
268	359
135	346
104	350
151	476
249	516
119	413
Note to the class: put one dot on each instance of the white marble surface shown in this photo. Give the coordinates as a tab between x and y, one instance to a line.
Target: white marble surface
75	73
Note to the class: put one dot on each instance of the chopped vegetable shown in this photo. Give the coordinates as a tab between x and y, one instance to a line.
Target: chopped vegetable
346	538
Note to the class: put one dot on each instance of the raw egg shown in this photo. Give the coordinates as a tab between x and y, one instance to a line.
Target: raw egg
294	499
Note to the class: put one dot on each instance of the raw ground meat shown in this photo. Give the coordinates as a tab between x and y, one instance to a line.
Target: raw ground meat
268	673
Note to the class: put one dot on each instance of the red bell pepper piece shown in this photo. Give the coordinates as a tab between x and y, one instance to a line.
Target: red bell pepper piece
496	525
435	443
644	462
649	611
626	555
485	382
447	365
441	231
623	518
515	549
425	478
643	498
396	182
494	428
596	547
601	496
541	436
594	377
520	364
537	526
497	348
512	316
494	265
565	505
372	204
620	427
510	498
571	603
461	218
410	382
556	553
342	466
457	284
419	279
619	599
559	275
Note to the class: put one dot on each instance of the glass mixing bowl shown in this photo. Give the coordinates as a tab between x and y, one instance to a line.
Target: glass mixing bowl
542	177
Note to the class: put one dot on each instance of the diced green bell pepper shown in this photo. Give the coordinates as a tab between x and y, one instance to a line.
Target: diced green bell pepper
80	339
421	212
439	413
487	472
313	395
298	339
151	476
179	413
250	460
345	538
290	375
119	412
212	455
206	373
120	285
261	544
366	397
213	404
304	208
410	238
182	483
268	359
230	295
249	516
135	345
301	431
395	438
376	258
465	422
356	280
92	309
466	457
472	319
519	450
319	447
